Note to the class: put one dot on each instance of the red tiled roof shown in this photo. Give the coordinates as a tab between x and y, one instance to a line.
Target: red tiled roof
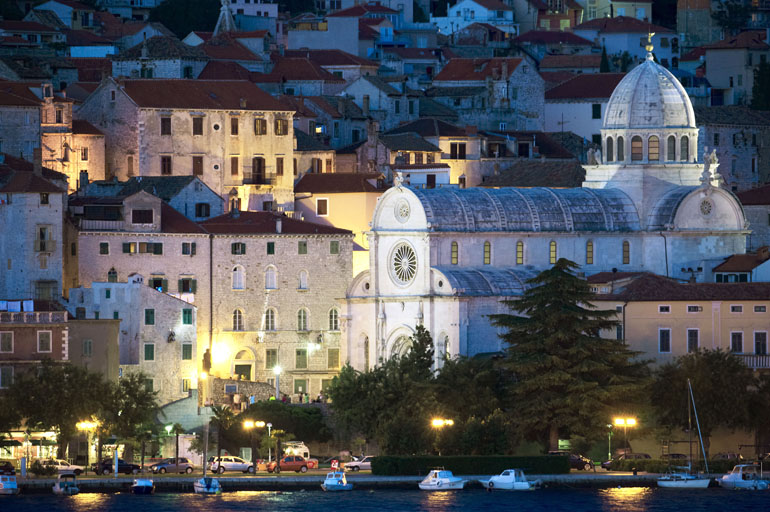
200	94
257	223
24	26
203	35
224	70
586	85
476	69
750	39
330	57
18	94
291	68
652	287
744	262
694	54
250	34
607	277
554	78
171	221
755	196
365	32
338	183
551	37
17	176
91	69
622	24
83	127
413	53
571	61
227	47
15	41
19	164
297	104
360	10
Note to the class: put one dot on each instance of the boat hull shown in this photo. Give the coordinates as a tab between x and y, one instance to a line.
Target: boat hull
68	490
752	485
9	491
336	487
142	489
441	486
691	483
508	486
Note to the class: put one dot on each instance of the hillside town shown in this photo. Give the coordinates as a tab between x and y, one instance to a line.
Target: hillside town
236	208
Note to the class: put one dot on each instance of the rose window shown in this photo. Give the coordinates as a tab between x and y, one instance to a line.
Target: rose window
404	264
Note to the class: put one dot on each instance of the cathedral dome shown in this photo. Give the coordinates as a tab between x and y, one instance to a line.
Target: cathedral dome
649	96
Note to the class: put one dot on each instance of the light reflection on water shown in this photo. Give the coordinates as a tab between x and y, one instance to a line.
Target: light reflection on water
630	499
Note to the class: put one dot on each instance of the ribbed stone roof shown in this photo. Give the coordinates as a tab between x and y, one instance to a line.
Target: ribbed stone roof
528	209
487	281
664	211
649	97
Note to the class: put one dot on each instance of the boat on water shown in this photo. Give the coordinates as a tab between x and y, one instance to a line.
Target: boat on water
336	481
143	486
8	485
207	485
66	485
511	480
441	480
685	478
745	476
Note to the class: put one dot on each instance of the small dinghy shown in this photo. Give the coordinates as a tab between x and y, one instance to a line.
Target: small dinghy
441	480
336	481
66	485
510	480
8	485
207	485
745	476
143	486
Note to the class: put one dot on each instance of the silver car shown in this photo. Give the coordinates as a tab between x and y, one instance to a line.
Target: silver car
230	463
172	465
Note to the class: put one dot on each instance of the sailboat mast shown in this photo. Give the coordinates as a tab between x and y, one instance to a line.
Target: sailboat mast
695	410
689	428
205	447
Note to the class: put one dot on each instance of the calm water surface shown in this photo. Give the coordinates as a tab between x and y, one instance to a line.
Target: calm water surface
627	499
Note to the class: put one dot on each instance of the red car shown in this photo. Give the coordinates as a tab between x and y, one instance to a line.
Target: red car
291	463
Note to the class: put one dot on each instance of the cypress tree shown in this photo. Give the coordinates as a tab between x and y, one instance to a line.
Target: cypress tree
604	67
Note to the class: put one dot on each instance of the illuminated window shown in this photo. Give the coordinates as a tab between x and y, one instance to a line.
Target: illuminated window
487	253
519	253
653	149
455	251
636	149
237	320
552	252
626	253
589	253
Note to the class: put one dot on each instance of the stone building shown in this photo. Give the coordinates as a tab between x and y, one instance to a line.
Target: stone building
20	130
231	134
446	258
160	57
756	204
390	104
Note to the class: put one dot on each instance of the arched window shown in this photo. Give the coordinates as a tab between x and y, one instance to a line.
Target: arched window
112	276
302	320
552	252
303	280
684	149
269	320
671	150
589	253
610	151
454	253
637	152
237	320
653	149
243	364
621	149
519	253
270	278
238	277
626	252
334	320
487	253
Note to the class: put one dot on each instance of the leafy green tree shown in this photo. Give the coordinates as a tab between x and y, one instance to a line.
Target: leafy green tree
470	388
731	15
10	11
567	376
604	66
760	92
56	397
721	386
223	419
307	423
129	407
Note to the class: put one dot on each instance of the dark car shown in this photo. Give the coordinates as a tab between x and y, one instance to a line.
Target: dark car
172	465
626	456
576	461
105	467
7	468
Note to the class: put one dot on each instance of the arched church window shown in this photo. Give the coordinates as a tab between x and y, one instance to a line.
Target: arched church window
112	275
302	320
621	149
238	277
237	320
270	281
334	319
455	253
589	253
269	323
653	149
303	280
609	150
552	252
671	150
487	253
519	253
637	153
684	148
626	252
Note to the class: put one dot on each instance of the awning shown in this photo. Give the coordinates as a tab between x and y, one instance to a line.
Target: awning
7	443
43	442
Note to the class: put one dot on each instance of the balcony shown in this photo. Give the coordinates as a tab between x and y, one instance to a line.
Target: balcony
101	225
45	245
755	361
258	179
41	317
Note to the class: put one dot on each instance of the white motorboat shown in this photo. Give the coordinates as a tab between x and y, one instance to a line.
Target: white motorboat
336	481
8	485
441	480
511	480
143	486
745	476
207	485
66	485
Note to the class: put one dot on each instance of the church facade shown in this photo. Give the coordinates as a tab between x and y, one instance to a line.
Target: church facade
446	258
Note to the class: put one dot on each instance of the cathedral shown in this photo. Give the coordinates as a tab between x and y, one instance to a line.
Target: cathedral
445	258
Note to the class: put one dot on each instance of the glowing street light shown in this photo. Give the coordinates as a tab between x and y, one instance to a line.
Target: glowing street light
438	424
87	427
625	423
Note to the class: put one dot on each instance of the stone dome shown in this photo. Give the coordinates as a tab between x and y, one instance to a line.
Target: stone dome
649	96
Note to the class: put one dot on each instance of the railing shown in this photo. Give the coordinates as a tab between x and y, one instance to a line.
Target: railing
101	225
257	179
45	245
35	317
755	361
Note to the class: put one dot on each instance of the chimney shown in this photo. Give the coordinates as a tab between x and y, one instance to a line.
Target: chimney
83	183
470	130
278	225
243	102
37	161
365	106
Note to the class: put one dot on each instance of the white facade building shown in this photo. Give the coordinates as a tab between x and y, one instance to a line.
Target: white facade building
446	258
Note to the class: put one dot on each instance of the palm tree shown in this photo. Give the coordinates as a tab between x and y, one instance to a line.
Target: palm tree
223	419
177	429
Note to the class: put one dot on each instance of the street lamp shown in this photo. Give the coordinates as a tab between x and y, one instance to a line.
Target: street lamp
87	427
277	372
438	424
609	441
625	423
249	425
269	441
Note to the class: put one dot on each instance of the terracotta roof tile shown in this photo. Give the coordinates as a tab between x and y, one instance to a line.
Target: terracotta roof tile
586	85
651	287
162	47
731	115
430	128
551	37
24	26
83	127
259	223
330	57
297	104
291	68
476	69
15	41
538	173
407	141
750	39
252	34
84	38
227	47
171	221
91	69
307	143
225	70
338	183
571	61
360	10
200	94
18	94
744	262
606	277
622	24
554	78
755	197
17	176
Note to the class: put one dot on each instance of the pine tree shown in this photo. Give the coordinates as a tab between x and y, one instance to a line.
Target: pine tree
566	377
760	93
604	67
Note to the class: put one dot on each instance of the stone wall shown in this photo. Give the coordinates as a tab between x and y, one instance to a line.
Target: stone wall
244	389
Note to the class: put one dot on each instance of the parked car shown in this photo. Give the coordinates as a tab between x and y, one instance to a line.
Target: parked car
673	456
576	461
289	463
626	456
63	466
230	463
172	465
728	456
105	467
7	467
357	465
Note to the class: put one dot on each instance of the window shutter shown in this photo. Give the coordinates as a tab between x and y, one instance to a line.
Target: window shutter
126	247
180	285
158	248
193	285
164	285
232	248
192	249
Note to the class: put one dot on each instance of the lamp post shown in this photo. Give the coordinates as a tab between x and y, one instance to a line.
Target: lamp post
609	441
438	424
277	372
269	442
249	425
87	427
625	423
